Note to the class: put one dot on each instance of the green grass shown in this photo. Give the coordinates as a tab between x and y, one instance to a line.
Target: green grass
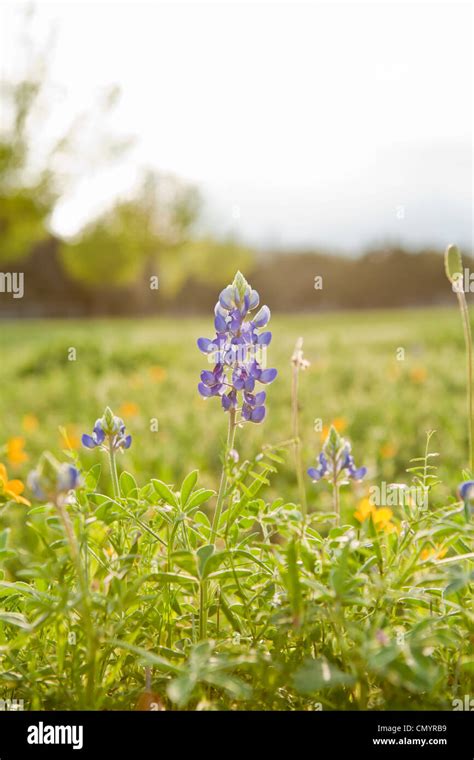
387	405
279	614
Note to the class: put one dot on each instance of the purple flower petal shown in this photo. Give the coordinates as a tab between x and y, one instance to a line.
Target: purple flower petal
264	339
262	317
88	441
254	300
205	391
255	370
226	297
219	323
268	375
99	434
258	414
249	384
208	378
205	345
246	412
314	474
359	473
466	490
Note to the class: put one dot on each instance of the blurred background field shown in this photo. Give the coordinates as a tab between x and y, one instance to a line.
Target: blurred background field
136	185
133	187
149	369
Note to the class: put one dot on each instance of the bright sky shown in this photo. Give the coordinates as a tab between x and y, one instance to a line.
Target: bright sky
316	124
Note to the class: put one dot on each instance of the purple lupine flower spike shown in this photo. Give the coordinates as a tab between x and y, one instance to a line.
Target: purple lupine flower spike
237	350
336	462
108	433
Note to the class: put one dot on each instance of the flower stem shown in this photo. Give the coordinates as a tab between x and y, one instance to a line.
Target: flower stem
468	341
223	481
335	498
215	523
86	613
203	610
297	441
113	472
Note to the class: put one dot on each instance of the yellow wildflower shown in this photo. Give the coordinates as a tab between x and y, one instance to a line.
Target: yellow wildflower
365	509
30	423
70	437
11	489
381	516
157	373
388	451
340	423
129	409
433	552
418	375
15	453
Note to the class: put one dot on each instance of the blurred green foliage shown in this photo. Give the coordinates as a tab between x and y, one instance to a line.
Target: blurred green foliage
26	198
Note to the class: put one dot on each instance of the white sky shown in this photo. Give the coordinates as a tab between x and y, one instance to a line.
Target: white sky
322	124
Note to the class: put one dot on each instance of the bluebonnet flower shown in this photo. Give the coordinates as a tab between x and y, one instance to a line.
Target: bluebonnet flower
336	462
466	494
466	490
52	479
108	433
236	351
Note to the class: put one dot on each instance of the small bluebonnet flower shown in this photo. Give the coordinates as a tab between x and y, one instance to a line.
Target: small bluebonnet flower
335	462
108	433
52	479
466	494
466	490
236	351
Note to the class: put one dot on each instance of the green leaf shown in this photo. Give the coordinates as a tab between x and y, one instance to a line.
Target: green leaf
202	519
7	554
152	659
92	477
165	492
198	498
15	618
180	690
107	512
319	674
128	485
175	578
239	572
241	285
187	486
204	553
292	581
228	612
234	686
4	538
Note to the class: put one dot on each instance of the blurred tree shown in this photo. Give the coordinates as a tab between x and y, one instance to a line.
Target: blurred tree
26	199
127	240
32	182
206	261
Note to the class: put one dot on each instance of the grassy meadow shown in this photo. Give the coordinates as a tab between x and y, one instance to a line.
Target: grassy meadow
118	599
149	370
